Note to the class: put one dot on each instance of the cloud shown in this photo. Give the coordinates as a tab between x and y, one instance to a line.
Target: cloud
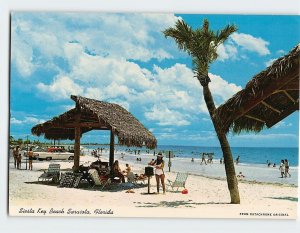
251	43
165	116
282	124
280	52
15	121
108	69
26	120
61	88
266	136
163	93
222	89
227	51
230	49
40	38
270	62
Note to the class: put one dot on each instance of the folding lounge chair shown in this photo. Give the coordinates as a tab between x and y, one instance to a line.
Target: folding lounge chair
179	181
53	173
131	178
99	181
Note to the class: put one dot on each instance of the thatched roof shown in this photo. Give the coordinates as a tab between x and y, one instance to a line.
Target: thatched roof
93	114
268	97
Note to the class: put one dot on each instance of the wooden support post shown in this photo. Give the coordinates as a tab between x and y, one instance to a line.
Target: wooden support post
255	118
289	96
112	149
169	164
271	107
77	148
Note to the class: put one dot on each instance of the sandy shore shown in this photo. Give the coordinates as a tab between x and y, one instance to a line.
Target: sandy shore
207	198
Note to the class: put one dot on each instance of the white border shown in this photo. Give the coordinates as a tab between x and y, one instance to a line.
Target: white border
14	224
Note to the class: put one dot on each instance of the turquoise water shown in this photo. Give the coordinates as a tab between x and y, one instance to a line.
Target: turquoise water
248	155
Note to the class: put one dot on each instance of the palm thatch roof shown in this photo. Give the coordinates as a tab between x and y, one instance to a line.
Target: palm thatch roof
92	114
268	97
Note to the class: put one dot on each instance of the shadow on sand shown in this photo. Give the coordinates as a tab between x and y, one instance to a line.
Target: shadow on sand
113	187
294	199
176	204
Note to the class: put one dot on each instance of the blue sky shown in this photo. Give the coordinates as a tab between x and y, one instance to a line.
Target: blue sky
125	59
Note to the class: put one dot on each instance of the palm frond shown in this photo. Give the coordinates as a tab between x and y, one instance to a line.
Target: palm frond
181	33
201	44
223	35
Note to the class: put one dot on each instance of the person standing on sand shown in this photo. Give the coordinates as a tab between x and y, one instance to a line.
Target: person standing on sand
16	154
19	160
203	159
159	172
286	168
237	160
282	168
30	158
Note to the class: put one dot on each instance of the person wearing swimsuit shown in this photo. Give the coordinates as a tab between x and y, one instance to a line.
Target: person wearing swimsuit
30	158
159	172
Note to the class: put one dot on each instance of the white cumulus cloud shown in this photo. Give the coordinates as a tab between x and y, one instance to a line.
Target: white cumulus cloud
26	120
61	88
251	43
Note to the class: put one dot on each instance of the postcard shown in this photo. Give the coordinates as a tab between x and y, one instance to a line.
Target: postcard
153	115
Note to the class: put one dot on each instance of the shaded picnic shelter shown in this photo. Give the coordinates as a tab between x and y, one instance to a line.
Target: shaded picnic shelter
90	114
268	97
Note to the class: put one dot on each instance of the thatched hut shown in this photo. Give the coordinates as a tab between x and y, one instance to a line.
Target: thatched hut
268	97
90	114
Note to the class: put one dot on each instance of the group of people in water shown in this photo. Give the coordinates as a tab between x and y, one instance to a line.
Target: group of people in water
210	157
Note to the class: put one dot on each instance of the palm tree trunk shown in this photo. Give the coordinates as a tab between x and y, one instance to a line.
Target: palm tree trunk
228	160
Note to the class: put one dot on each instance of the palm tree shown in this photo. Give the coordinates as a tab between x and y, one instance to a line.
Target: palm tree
11	139
201	44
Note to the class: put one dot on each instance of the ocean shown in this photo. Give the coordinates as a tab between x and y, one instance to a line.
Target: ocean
248	155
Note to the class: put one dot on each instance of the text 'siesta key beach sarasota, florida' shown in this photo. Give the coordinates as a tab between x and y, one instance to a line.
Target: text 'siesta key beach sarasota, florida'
153	115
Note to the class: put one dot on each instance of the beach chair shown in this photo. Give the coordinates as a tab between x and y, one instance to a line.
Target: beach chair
53	173
131	178
99	181
179	181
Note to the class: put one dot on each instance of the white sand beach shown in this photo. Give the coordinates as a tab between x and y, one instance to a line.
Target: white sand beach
207	197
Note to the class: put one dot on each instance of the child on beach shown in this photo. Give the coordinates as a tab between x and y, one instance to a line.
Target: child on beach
16	154
240	175
282	168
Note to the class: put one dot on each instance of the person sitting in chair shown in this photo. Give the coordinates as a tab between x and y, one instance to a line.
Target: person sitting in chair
117	171
127	169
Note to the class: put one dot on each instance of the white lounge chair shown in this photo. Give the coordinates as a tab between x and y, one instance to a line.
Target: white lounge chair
179	181
97	180
53	173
